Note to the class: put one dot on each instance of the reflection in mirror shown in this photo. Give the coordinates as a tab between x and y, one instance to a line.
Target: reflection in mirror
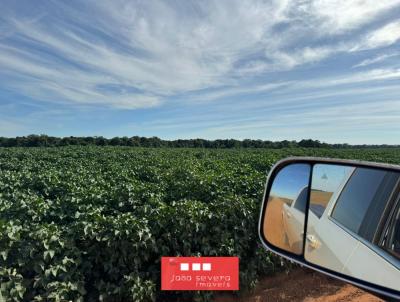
284	216
354	223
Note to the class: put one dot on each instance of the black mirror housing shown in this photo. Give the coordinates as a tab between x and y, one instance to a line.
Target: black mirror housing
339	217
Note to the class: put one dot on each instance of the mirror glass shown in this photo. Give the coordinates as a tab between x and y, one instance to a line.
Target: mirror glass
285	211
354	223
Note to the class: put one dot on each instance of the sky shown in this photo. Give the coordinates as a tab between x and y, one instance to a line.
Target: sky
328	177
271	70
289	182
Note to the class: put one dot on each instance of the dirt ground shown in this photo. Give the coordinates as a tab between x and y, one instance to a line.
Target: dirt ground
273	226
320	197
302	285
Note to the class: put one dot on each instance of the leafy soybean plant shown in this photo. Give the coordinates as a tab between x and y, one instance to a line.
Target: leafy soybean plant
91	223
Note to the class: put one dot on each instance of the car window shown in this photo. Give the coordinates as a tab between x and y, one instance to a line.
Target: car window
395	243
392	244
301	201
326	181
356	197
317	209
372	225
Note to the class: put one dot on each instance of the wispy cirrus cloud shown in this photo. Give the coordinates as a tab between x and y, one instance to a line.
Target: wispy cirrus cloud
381	37
376	59
341	16
156	49
132	55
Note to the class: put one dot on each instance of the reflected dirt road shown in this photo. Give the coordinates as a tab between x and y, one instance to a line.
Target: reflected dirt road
273	224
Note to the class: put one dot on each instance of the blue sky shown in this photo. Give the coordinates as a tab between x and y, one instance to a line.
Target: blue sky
290	181
275	70
329	177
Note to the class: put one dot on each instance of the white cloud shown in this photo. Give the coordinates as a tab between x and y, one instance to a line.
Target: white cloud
283	60
147	51
234	91
153	47
385	36
373	75
306	89
338	16
43	80
382	37
376	59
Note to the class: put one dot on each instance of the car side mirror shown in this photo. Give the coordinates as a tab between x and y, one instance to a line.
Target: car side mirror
338	217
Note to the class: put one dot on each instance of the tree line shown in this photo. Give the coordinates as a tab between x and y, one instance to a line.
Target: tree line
155	142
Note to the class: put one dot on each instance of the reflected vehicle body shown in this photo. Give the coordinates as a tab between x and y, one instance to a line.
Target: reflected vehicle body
285	200
350	229
347	240
293	221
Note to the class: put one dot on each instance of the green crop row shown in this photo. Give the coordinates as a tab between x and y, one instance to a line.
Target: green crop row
91	223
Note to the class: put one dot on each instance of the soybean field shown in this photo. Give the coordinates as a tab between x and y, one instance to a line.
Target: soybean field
91	223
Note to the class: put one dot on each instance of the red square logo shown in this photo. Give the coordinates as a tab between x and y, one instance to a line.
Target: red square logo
199	273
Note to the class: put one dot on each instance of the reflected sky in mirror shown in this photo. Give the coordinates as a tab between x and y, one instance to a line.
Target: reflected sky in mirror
329	177
290	180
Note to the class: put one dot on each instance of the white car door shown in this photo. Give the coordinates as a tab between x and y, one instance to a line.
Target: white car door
295	224
323	238
324	235
293	218
366	261
340	226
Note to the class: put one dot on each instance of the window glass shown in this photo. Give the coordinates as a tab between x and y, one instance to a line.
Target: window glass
374	218
393	235
284	226
326	181
395	242
356	197
301	201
